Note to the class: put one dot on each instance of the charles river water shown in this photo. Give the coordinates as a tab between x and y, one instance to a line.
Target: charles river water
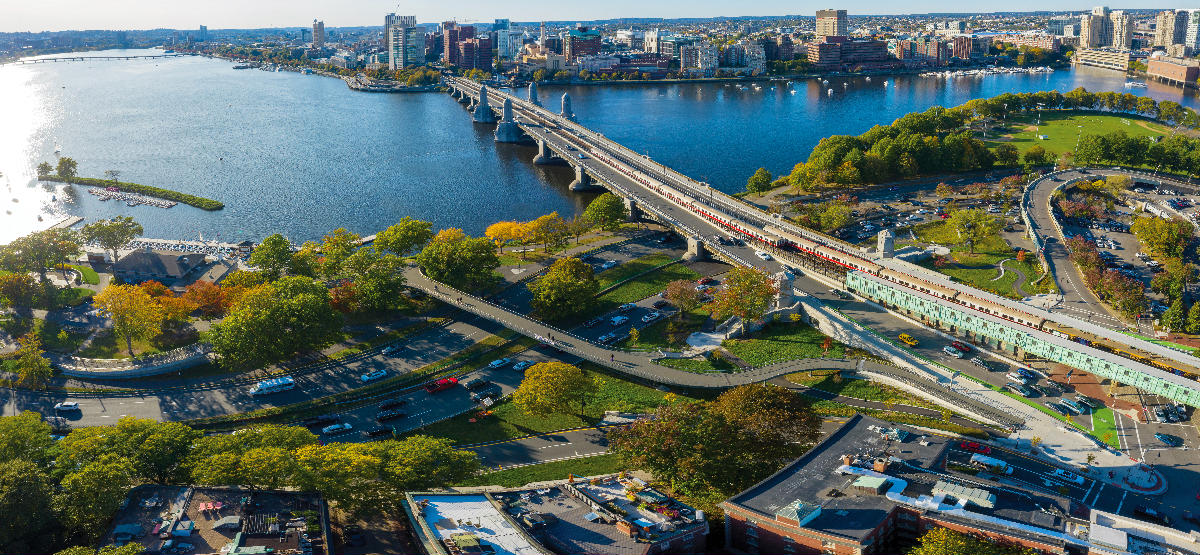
303	154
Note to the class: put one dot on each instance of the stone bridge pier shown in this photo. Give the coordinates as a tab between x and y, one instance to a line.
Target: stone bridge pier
507	131
544	155
632	210
482	112
583	181
695	249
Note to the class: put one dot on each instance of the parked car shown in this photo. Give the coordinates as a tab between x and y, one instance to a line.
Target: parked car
661	303
323	420
618	320
950	350
762	255
499	363
607	338
1076	406
975	447
592	323
373	375
492	391
1161	414
393	414
1181	411
1169	440
378	431
67	406
523	365
1023	390
337	429
390	349
1047	391
843	295
1020	378
475	384
980	363
966	349
651	316
608	264
1090	402
707	281
909	340
626	307
393	404
441	385
1058	408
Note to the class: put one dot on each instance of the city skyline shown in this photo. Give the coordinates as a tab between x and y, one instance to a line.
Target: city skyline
61	15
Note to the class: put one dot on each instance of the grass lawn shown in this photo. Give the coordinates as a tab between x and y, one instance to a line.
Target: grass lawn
558	470
507	421
1062	129
981	269
1104	427
669	334
88	275
614	275
697	365
777	342
646	286
107	345
826	380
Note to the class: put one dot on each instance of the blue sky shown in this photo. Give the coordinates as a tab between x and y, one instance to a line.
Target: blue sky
53	15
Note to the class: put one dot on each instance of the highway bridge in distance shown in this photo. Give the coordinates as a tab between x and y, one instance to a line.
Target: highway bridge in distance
699	212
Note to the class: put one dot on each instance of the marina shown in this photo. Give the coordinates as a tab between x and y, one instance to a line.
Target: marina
983	72
130	199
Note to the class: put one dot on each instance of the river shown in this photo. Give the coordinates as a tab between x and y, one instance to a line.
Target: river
302	154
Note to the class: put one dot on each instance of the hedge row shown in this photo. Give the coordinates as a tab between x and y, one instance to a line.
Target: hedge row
157	192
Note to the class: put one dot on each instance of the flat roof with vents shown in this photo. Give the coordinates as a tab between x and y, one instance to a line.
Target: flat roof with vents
977	496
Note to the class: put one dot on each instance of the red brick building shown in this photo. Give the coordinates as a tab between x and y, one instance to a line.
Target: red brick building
452	34
1177	71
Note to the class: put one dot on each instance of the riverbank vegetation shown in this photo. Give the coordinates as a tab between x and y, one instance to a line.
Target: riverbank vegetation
941	140
66	174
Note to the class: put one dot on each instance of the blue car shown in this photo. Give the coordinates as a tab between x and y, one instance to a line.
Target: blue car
1169	440
522	365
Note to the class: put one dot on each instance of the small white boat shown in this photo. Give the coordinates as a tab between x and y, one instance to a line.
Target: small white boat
829	92
868	78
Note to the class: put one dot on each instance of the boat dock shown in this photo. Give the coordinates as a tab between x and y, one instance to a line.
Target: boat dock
67	222
131	199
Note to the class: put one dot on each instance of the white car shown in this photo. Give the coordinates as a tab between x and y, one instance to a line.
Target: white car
66	406
609	264
618	320
651	316
373	375
390	349
335	429
762	255
1068	476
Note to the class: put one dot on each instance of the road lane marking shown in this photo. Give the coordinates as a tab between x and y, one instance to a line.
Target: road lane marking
1122	503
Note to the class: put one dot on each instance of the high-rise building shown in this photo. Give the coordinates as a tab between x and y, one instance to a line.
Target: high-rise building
501	24
406	46
475	53
832	23
1170	27
452	35
703	58
318	37
581	41
650	41
1096	28
202	36
392	21
1122	30
1191	37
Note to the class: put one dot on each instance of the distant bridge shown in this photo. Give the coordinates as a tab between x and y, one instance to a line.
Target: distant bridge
90	58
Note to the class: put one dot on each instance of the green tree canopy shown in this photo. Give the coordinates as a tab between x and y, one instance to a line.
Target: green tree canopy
273	322
944	541
66	167
568	288
26	496
606	211
89	496
760	182
973	226
40	251
377	278
459	261
134	313
553	388
25	436
112	234
748	294
405	236
33	368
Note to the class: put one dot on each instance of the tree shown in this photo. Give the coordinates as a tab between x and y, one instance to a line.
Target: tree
44	169
131	548
273	256
1174	318
156	451
134	313
568	288
1193	319
944	541
112	234
89	496
66	168
377	279
275	321
209	298
40	251
33	369
25	436
693	449
943	190
552	387
683	294
760	182
335	248
973	226
112	175
17	290
607	212
780	422
503	233
550	230
459	261
748	294
405	236
1007	154
26	493
1036	156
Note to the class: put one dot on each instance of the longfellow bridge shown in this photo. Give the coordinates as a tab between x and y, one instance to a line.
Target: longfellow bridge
700	213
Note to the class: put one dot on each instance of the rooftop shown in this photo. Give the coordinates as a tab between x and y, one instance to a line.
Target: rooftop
472	521
822	493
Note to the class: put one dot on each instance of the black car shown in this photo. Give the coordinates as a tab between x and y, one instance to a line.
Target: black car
380	431
1152	515
661	303
492	391
323	420
386	415
592	323
393	404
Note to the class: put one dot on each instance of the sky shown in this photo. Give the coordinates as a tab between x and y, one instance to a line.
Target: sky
57	15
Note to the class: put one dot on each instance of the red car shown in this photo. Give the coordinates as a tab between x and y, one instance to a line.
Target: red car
944	216
441	385
975	447
961	346
706	281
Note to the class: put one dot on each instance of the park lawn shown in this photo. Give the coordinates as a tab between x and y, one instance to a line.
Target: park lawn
88	275
780	341
981	269
108	345
669	333
1062	129
826	380
558	470
698	366
645	286
506	421
615	275
1104	427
